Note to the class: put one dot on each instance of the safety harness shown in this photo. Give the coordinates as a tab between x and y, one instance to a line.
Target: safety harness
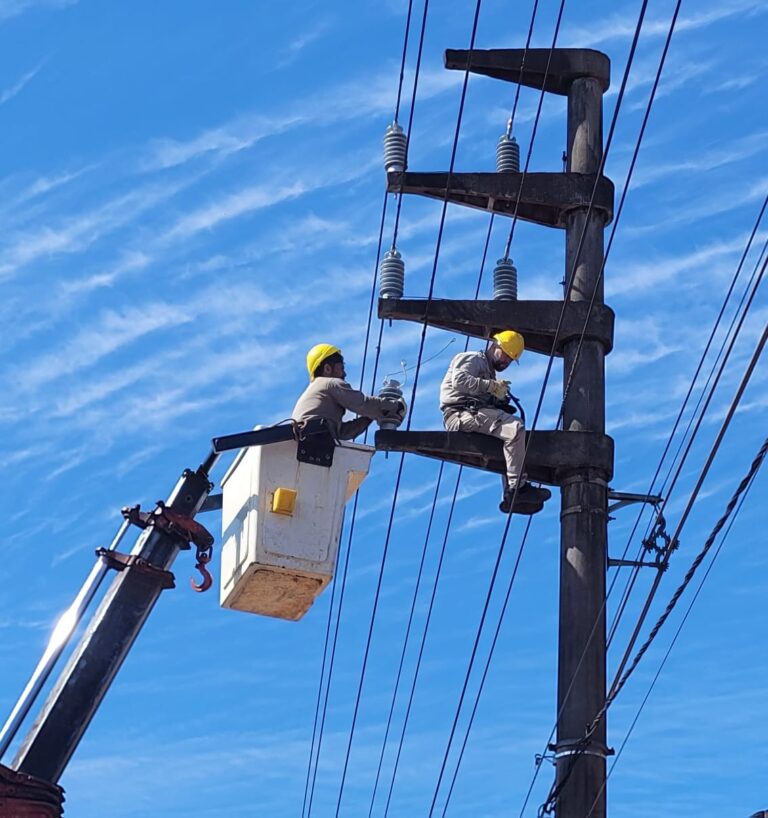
511	404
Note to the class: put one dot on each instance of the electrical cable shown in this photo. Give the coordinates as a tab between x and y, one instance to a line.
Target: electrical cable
509	516
416	589
410	415
423	641
362	381
624	599
334	643
598	175
623	676
750	482
434	590
673	544
407	635
633	577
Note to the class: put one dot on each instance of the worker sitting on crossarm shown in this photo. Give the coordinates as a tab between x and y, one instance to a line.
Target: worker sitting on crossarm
473	400
329	396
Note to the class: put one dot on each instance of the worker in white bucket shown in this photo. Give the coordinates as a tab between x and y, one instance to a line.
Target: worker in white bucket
329	396
472	399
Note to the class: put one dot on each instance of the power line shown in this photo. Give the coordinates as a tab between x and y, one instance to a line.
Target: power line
719	548
673	543
608	144
407	635
653	481
633	577
622	679
509	517
423	641
410	415
694	494
416	589
362	381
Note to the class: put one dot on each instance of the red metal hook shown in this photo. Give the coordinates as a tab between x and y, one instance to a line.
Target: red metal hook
202	561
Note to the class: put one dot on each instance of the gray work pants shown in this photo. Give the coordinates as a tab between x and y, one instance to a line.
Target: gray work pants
497	423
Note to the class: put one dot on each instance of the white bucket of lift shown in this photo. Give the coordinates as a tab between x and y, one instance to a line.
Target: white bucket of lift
281	523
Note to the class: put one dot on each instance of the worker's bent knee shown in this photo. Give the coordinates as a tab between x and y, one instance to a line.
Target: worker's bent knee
511	429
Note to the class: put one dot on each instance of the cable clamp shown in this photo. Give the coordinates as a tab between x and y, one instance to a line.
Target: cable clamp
581	509
578	747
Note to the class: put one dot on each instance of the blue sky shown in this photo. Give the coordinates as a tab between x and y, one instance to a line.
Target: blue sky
190	196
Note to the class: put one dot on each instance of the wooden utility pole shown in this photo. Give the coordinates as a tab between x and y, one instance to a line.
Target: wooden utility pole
578	459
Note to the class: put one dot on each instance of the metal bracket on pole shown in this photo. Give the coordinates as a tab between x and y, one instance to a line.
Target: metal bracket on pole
624	498
121	562
660	566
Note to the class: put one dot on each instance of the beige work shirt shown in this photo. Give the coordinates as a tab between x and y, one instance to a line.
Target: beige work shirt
330	398
469	375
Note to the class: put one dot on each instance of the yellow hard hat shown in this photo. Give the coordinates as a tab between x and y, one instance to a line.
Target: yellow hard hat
511	342
317	355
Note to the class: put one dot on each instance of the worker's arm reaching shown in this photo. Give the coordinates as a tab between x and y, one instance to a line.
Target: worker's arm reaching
369	408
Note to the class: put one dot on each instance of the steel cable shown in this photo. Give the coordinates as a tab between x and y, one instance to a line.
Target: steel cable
623	676
608	144
750	482
410	415
633	577
362	381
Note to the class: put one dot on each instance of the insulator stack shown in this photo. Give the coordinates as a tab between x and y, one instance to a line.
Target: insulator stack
395	147
391	390
507	155
505	280
391	275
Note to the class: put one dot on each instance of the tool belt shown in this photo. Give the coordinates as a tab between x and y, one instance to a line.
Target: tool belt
473	405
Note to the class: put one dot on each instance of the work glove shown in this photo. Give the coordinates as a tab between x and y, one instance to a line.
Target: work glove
499	389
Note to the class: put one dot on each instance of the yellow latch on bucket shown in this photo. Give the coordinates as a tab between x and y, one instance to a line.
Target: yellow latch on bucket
284	501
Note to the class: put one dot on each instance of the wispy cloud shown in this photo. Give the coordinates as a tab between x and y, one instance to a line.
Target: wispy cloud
14	8
113	330
346	102
302	40
716	157
623	27
647	274
75	234
9	93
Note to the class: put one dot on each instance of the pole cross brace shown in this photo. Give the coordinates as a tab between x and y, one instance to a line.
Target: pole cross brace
552	456
537	321
554	70
542	198
121	562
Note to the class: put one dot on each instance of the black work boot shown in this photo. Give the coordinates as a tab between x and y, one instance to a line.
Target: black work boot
529	499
